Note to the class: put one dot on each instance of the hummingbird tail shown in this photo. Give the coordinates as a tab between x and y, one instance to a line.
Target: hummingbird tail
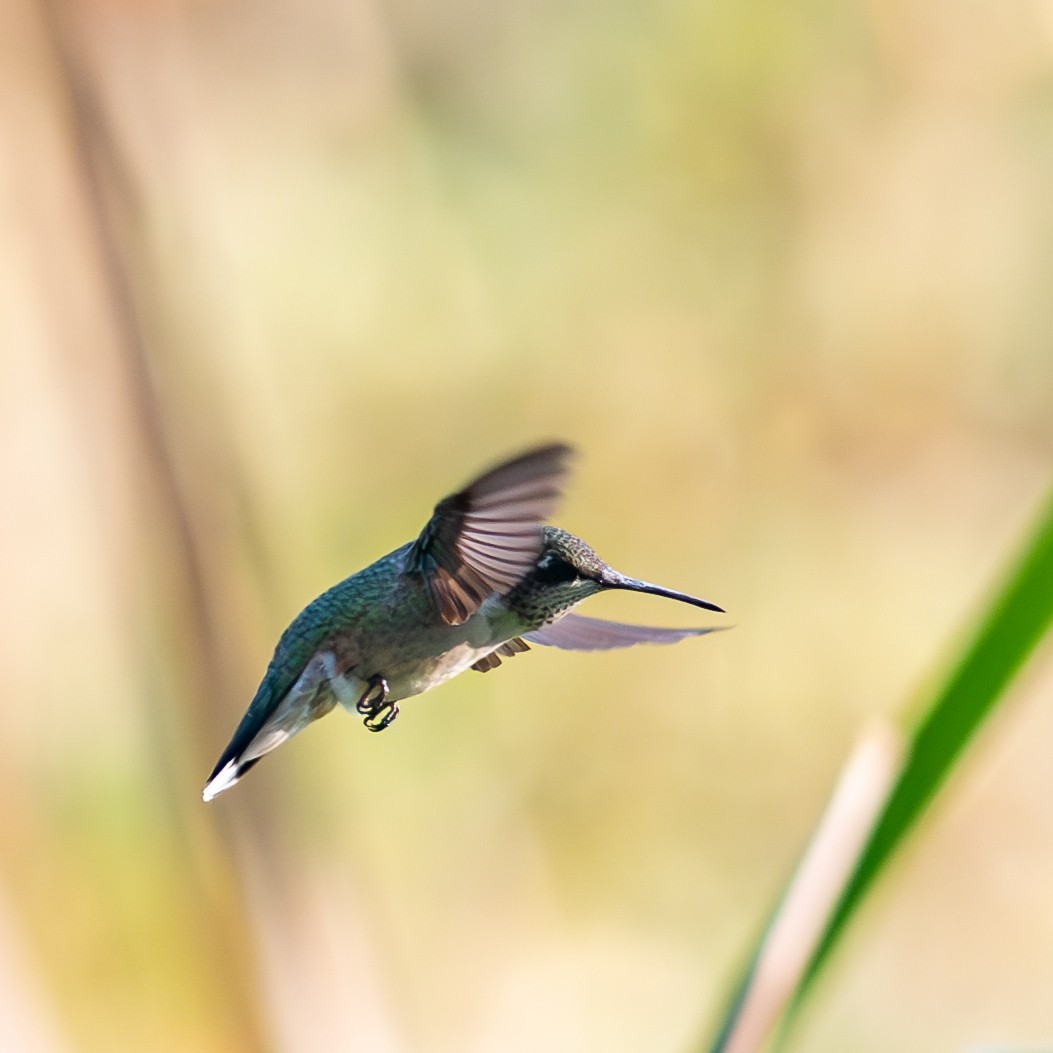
270	722
291	717
225	777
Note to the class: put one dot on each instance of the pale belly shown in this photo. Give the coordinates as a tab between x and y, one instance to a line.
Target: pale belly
411	668
416	679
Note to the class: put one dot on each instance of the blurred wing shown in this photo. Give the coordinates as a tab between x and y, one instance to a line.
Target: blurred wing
575	633
485	538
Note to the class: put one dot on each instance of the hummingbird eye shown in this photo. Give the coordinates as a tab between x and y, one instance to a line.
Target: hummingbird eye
551	570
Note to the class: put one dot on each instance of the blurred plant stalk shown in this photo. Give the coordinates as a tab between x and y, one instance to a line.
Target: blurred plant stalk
818	882
103	189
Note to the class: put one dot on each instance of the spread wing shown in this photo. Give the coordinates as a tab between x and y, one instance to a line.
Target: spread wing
485	538
573	632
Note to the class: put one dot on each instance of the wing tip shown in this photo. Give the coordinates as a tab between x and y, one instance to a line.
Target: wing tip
546	459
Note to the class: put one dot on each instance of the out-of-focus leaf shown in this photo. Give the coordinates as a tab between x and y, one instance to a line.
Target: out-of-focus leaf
1016	620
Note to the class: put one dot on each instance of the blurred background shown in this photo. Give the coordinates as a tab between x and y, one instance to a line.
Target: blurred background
276	276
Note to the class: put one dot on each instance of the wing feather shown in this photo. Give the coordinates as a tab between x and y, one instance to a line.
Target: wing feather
574	632
485	538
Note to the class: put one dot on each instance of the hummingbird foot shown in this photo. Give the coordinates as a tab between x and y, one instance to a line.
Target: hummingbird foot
374	698
374	704
384	716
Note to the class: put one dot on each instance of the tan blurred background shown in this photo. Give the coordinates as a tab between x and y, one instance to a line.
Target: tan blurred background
275	276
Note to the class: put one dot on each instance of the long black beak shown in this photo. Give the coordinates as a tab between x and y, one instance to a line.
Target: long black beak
611	579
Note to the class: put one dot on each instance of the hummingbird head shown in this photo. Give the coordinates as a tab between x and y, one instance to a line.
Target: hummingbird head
568	571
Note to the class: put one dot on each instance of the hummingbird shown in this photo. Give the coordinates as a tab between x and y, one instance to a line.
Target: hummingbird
484	580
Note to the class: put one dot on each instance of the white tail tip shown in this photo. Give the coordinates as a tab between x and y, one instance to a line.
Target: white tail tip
224	779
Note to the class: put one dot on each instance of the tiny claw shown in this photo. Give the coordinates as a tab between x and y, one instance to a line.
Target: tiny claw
384	716
374	697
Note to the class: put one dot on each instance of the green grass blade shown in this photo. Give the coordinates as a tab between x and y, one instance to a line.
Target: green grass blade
1009	631
1017	619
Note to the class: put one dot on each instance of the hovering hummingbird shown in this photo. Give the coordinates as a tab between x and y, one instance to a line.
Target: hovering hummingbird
485	579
